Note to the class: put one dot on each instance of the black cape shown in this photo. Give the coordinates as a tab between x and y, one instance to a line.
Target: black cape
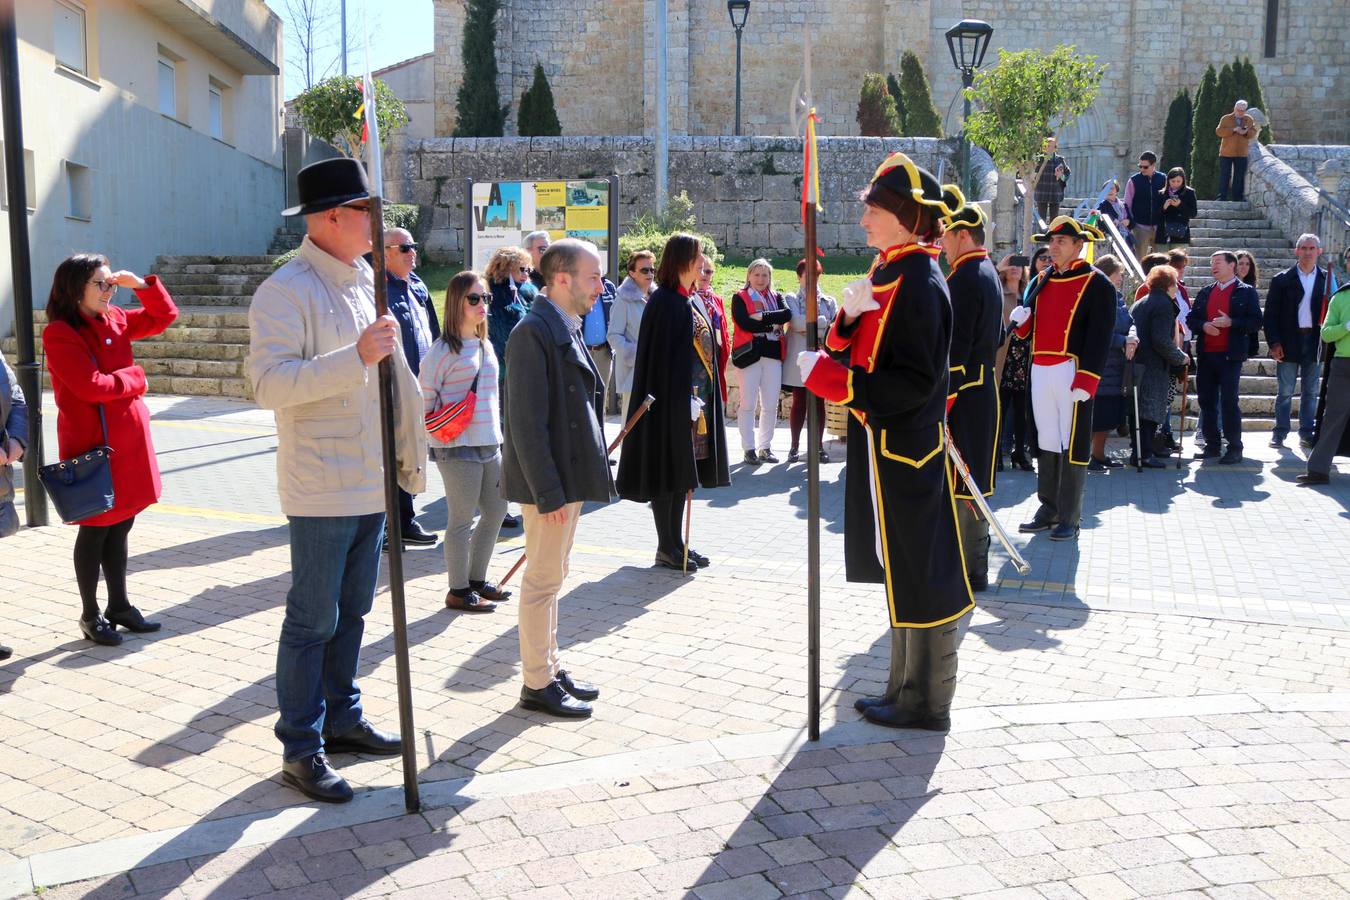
977	327
658	454
1329	351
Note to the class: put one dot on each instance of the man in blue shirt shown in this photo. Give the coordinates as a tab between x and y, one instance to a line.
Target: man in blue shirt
410	303
595	332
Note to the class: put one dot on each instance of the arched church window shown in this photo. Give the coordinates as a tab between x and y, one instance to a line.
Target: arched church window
1272	27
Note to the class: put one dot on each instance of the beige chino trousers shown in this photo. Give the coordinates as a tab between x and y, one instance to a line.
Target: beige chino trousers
547	548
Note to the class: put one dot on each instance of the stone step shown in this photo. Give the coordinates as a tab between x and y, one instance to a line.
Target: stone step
200	368
197	260
260	269
1204	233
184	280
220	301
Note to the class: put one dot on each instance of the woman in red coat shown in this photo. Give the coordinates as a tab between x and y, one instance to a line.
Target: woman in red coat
87	343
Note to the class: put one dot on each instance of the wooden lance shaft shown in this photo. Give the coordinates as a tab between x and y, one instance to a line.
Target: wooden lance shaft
628	426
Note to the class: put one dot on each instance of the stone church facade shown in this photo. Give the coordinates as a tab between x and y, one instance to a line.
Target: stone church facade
599	57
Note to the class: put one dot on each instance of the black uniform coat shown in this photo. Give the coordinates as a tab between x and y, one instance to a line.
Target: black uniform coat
658	454
1087	343
977	328
899	509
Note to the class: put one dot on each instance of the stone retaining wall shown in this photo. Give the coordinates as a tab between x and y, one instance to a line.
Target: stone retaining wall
745	190
1305	158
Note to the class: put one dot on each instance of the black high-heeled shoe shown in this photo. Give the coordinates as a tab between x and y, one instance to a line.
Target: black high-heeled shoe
100	631
132	620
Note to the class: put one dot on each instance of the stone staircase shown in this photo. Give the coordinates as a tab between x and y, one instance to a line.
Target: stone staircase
203	352
1236	226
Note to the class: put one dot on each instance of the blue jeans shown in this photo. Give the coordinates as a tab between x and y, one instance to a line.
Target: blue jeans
1310	375
335	562
1216	383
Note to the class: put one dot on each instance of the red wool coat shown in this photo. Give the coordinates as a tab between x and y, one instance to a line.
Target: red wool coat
117	383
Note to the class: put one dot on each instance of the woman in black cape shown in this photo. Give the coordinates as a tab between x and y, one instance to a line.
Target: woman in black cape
680	443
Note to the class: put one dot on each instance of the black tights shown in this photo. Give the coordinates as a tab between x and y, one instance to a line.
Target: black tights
666	510
1015	415
106	546
797	417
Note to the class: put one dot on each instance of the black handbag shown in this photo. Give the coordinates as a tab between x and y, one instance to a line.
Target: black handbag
745	356
81	486
1177	232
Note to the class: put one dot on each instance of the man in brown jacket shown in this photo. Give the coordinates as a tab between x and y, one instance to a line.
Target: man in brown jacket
1236	130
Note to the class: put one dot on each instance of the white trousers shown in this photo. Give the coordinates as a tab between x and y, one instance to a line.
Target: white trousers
760	383
1052	405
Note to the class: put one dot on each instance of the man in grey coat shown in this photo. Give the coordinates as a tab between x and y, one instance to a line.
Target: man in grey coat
553	460
13	443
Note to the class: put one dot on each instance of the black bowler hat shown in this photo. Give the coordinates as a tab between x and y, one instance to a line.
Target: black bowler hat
332	182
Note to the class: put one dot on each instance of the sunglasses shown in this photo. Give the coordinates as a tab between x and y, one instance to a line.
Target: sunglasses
475	299
357	207
646	270
524	270
708	272
403	248
104	286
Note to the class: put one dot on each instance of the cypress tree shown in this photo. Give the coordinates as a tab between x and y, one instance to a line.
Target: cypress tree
537	116
477	113
1204	169
1176	149
921	116
1249	89
893	86
876	110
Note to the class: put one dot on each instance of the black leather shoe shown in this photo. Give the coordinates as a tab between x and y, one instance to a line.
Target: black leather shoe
766	456
555	701
414	534
1096	465
1305	442
1276	442
793	455
1305	478
132	620
489	591
1231	456
6	652
1113	463
316	779
1034	526
579	689
862	704
893	715
510	521
824	455
1207	453
1064	532
364	737
101	631
698	559
1153	463
669	561
750	459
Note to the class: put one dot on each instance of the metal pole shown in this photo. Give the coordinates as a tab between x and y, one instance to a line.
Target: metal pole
738	82
662	119
967	79
343	37
21	273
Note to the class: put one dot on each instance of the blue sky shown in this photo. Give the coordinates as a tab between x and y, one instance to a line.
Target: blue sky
399	29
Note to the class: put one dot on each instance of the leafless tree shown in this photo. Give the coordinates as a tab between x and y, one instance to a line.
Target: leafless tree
316	36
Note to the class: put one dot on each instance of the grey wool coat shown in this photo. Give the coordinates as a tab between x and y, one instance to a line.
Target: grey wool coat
1155	321
554	452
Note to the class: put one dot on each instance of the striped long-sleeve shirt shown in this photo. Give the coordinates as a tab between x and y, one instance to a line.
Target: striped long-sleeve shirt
446	377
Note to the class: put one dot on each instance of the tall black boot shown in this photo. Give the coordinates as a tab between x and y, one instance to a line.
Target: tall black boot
897	677
925	699
974	545
1047	489
905	707
1070	501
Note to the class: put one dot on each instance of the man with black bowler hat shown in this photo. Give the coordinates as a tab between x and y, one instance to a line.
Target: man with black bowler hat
315	343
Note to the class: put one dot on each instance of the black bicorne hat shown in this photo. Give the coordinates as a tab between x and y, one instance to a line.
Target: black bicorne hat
962	215
902	175
329	183
1069	227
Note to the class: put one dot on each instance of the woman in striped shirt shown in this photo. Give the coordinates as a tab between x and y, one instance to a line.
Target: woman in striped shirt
470	464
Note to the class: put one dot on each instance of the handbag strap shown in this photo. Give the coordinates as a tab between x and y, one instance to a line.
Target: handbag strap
473	388
102	419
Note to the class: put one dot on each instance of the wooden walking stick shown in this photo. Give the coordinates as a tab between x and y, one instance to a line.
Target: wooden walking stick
1185	387
628	426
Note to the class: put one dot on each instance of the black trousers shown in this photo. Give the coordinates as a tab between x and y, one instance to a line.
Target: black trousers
1217	381
105	547
1232	171
666	511
1014	405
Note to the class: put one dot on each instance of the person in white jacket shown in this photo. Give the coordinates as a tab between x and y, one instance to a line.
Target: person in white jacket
315	342
625	317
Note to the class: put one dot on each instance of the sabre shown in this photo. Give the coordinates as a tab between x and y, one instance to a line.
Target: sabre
1023	567
628	426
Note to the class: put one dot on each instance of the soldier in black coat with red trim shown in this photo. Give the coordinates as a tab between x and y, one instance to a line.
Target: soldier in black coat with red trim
1070	316
972	396
680	443
893	335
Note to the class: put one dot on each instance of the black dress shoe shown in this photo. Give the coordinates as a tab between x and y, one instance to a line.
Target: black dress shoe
766	456
1231	456
132	620
1153	463
892	715
1064	532
510	521
101	631
489	591
1306	443
1021	462
414	534
824	455
579	689
863	703
1207	453
555	701
364	737
1034	526
698	559
669	561
1305	478
6	652
315	778
1096	465
793	455
1276	442
1113	463
750	459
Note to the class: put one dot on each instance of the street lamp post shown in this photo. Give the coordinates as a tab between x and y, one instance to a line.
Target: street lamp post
968	40
738	10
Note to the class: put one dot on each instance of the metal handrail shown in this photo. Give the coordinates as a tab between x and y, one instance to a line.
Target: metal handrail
1121	247
1036	219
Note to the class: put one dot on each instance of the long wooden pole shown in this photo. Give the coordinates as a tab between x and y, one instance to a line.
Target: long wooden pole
813	445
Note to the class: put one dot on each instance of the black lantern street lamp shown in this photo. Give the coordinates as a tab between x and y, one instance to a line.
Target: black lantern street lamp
738	10
968	40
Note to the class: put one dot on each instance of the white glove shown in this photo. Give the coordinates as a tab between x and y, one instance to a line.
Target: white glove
1019	315
806	361
858	298
822	323
695	408
1078	395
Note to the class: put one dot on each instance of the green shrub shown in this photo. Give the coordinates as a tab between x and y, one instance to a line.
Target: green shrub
1203	173
1176	149
328	112
284	258
650	231
893	87
921	116
877	115
477	109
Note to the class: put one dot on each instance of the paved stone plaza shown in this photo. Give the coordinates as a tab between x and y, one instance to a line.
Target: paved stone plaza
1162	709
